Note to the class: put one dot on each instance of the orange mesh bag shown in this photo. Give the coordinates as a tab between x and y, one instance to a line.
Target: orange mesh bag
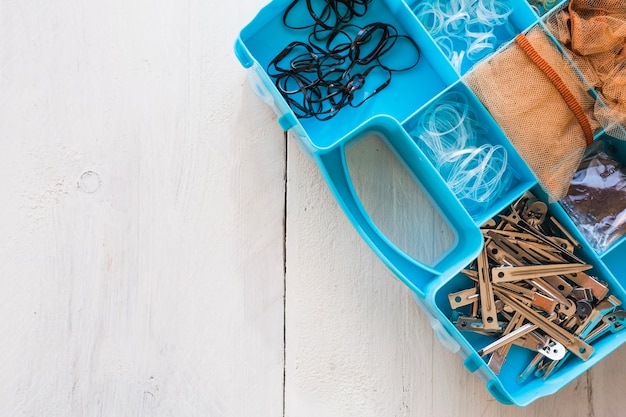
593	32
538	99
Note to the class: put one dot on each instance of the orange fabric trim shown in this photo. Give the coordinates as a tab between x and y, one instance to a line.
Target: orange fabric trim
561	87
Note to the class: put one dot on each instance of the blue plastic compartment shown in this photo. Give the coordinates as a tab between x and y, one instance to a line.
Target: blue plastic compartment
521	18
517	178
266	36
504	386
614	260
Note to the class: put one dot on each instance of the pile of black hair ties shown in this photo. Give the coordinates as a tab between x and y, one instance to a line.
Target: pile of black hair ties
340	64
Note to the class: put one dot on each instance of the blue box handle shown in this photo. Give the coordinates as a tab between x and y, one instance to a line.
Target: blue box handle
415	274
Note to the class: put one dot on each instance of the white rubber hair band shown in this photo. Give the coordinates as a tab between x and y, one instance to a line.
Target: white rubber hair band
447	125
446	45
493	12
482	182
456	60
431	17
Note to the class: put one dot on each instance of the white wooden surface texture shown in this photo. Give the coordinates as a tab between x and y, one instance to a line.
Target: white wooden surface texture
164	251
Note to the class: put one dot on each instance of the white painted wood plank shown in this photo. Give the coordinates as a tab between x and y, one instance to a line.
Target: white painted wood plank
154	286
344	333
357	345
607	378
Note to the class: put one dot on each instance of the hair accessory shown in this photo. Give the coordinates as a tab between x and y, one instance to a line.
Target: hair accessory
449	133
342	64
464	29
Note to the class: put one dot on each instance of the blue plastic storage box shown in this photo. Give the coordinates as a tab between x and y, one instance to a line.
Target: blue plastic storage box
392	114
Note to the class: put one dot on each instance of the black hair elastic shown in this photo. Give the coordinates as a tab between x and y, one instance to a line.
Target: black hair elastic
373	41
341	64
363	80
412	44
333	14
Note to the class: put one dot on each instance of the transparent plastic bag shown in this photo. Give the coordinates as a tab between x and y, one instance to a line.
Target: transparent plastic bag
596	199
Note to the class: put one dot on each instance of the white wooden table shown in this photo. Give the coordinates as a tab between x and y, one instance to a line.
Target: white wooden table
165	252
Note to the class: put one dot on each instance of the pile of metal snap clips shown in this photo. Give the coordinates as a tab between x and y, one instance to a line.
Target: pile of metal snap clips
340	64
531	291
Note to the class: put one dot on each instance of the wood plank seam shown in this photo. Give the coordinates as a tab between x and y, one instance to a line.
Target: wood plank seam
285	137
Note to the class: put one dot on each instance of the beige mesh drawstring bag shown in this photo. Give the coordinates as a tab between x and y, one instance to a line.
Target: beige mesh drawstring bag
537	97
